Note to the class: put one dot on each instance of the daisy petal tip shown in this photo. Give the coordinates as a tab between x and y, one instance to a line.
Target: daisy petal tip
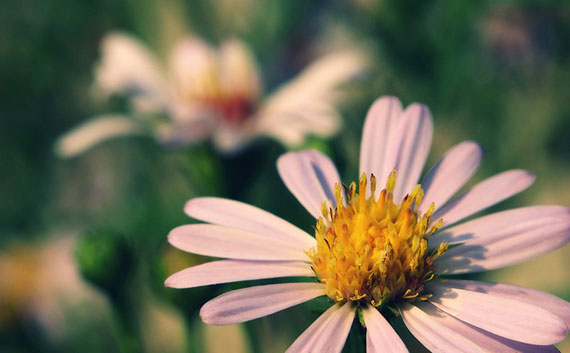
173	237
560	333
193	206
284	162
526	178
530	175
473	149
177	281
420	110
386	100
283	159
474	146
206	315
211	315
189	206
170	283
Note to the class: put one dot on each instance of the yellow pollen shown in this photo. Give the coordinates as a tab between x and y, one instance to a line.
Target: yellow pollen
372	249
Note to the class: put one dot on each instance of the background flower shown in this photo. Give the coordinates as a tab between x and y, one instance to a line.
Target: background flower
205	92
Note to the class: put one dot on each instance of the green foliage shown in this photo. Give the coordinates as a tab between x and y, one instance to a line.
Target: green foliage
105	260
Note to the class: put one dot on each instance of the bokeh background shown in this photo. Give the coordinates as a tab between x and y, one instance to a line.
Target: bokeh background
83	251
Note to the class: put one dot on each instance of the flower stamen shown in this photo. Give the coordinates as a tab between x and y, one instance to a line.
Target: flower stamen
373	250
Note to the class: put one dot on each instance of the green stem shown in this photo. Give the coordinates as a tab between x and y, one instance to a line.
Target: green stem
204	170
252	337
195	335
125	322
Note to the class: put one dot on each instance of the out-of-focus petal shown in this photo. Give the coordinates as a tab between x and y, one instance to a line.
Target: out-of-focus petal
251	303
504	238
380	336
450	173
441	332
231	139
503	316
219	241
307	103
410	148
239	70
378	135
195	70
128	66
242	216
328	333
225	271
95	131
292	127
485	194
190	124
310	176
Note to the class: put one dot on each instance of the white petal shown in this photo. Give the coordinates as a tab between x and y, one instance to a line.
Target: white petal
239	73
553	304
311	177
190	123
251	303
501	224
485	194
291	127
429	326
306	105
128	66
242	216
441	332
411	148
324	168
95	131
380	336
504	238
195	69
219	241
236	270
379	130
328	333
324	75
304	342
288	135
500	315
450	173
230	139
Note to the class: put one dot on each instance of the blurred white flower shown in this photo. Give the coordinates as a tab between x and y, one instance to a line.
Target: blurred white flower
381	252
215	93
39	282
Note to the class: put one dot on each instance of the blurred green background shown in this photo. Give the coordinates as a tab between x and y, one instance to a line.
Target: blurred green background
497	72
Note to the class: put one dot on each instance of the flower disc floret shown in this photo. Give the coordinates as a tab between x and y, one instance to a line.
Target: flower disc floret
373	249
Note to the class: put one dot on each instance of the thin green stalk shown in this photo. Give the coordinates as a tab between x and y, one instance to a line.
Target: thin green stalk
252	337
126	324
195	342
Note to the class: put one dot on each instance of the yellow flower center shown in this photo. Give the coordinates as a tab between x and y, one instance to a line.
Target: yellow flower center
372	249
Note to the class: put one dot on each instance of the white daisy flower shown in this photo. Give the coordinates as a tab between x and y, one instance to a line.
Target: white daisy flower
207	92
383	251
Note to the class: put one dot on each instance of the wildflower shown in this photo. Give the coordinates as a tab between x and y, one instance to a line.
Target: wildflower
41	287
211	93
384	252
